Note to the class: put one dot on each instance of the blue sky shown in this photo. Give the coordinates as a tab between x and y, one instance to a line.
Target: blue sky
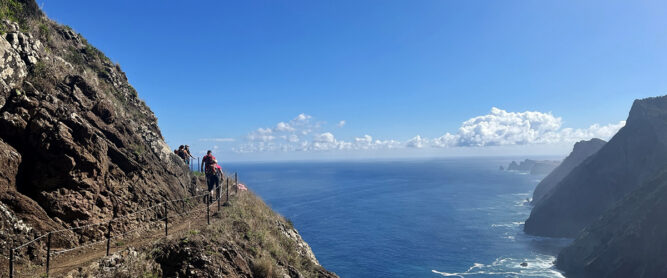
390	69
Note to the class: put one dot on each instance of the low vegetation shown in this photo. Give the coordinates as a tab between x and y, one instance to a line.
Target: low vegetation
245	239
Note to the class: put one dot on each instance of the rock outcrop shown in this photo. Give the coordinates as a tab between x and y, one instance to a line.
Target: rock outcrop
581	151
78	147
629	240
533	167
633	156
76	142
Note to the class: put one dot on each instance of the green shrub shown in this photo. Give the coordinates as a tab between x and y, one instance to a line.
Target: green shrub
75	57
44	32
263	267
11	9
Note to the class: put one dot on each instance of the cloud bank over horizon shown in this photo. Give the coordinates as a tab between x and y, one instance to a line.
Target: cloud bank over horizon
501	128
498	128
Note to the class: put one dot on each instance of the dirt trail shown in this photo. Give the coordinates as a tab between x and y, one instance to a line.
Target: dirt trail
62	264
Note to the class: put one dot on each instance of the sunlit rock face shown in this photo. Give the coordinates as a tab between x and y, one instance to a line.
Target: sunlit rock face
76	142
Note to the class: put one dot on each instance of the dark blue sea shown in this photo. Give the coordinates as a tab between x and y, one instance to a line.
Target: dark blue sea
418	218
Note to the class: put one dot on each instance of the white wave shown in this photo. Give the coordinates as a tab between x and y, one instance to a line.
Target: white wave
538	266
521	203
508	225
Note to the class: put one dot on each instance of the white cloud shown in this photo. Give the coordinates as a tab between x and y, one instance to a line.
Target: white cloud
217	139
282	126
303	134
498	128
365	140
302	117
326	137
293	138
261	135
341	123
416	142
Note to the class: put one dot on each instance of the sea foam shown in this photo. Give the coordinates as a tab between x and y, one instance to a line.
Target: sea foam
538	266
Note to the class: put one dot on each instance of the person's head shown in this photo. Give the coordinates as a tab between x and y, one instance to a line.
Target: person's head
180	147
208	152
187	147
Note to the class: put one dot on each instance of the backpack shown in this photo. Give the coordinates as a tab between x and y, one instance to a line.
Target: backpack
209	165
210	169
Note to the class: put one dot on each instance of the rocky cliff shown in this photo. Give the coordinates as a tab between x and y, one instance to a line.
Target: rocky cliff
581	151
77	144
629	240
634	155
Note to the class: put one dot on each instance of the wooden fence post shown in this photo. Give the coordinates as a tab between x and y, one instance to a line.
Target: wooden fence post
227	200
208	208
166	220
48	253
236	182
108	238
11	261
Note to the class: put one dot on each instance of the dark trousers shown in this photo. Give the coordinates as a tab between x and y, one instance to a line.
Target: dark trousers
213	182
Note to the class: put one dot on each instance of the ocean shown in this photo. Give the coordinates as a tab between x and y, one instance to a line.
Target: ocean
410	218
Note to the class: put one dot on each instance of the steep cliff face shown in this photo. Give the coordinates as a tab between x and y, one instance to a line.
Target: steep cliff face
634	155
76	142
581	151
77	146
629	240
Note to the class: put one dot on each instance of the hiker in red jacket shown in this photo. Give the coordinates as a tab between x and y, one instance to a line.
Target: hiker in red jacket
208	166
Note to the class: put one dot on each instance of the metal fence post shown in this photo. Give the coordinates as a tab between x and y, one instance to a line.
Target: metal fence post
108	238
166	220
208	208
48	253
11	261
227	200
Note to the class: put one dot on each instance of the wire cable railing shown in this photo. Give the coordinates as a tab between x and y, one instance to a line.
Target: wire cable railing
161	216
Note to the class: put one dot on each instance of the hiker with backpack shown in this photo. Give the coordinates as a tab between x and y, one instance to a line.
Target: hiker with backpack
182	154
210	168
187	154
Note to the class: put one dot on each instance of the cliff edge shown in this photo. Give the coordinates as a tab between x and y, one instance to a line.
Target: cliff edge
633	156
78	147
581	151
629	240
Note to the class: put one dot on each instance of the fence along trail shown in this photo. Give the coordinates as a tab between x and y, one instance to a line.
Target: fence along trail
57	259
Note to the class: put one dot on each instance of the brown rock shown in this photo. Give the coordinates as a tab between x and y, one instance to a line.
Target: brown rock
9	166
